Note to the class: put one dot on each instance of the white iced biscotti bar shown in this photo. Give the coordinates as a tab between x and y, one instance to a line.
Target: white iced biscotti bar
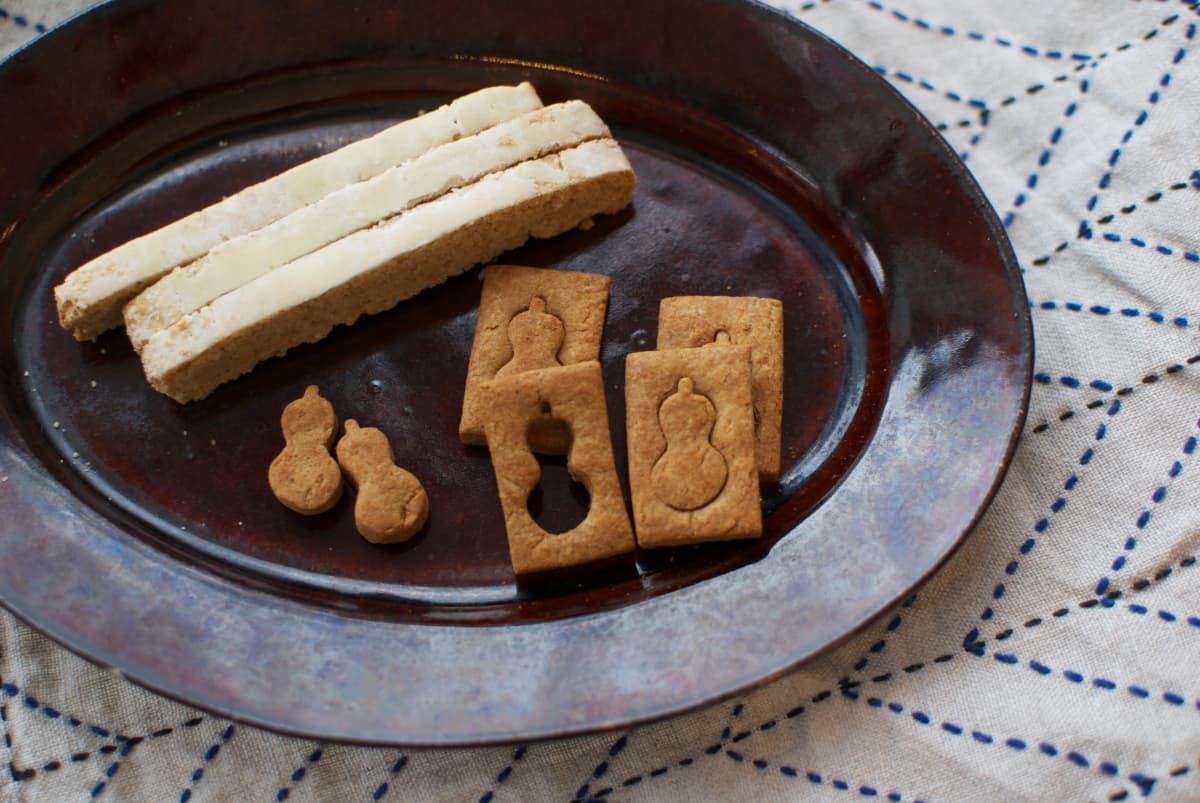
425	178
90	299
374	269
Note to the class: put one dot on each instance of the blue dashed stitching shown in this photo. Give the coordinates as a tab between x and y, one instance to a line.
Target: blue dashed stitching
1044	157
584	792
1162	615
505	773
1043	524
613	751
209	756
1043	378
850	692
1164	250
956	97
1144	115
397	767
33	704
299	773
982	737
1084	63
111	770
1159	318
1085	231
815	778
1078	679
1143	520
1149	379
20	21
976	36
879	646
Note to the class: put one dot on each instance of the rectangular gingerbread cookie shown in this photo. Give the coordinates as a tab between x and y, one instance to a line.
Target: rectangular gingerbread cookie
531	318
573	394
692	321
690	433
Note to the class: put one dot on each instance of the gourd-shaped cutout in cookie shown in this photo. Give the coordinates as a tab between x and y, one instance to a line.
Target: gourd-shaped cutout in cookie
304	476
691	472
391	504
536	336
559	501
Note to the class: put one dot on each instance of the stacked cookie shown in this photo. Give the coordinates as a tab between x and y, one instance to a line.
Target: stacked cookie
702	419
353	232
534	385
703	413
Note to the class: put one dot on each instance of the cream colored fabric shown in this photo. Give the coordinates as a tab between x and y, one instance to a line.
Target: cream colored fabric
1069	699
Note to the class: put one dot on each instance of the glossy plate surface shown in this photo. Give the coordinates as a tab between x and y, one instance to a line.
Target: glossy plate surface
142	533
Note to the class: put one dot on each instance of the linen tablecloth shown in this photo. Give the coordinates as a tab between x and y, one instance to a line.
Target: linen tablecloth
1056	656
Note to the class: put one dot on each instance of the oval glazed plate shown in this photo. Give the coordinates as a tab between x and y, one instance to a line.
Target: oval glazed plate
142	534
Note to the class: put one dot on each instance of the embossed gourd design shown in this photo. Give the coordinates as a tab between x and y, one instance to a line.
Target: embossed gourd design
391	504
304	476
691	472
536	337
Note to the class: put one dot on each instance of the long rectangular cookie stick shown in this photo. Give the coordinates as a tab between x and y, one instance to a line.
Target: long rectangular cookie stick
374	269
90	299
428	176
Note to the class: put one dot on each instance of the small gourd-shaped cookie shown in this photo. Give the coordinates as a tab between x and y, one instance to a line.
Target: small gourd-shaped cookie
536	336
391	504
304	476
691	472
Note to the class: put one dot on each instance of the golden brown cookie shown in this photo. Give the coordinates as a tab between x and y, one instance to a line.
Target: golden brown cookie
304	476
690	433
529	319
691	321
391	504
573	394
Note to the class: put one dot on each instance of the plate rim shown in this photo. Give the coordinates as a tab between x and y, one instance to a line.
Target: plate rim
1022	322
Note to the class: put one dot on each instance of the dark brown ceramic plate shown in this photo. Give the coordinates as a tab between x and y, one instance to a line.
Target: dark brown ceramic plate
142	534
